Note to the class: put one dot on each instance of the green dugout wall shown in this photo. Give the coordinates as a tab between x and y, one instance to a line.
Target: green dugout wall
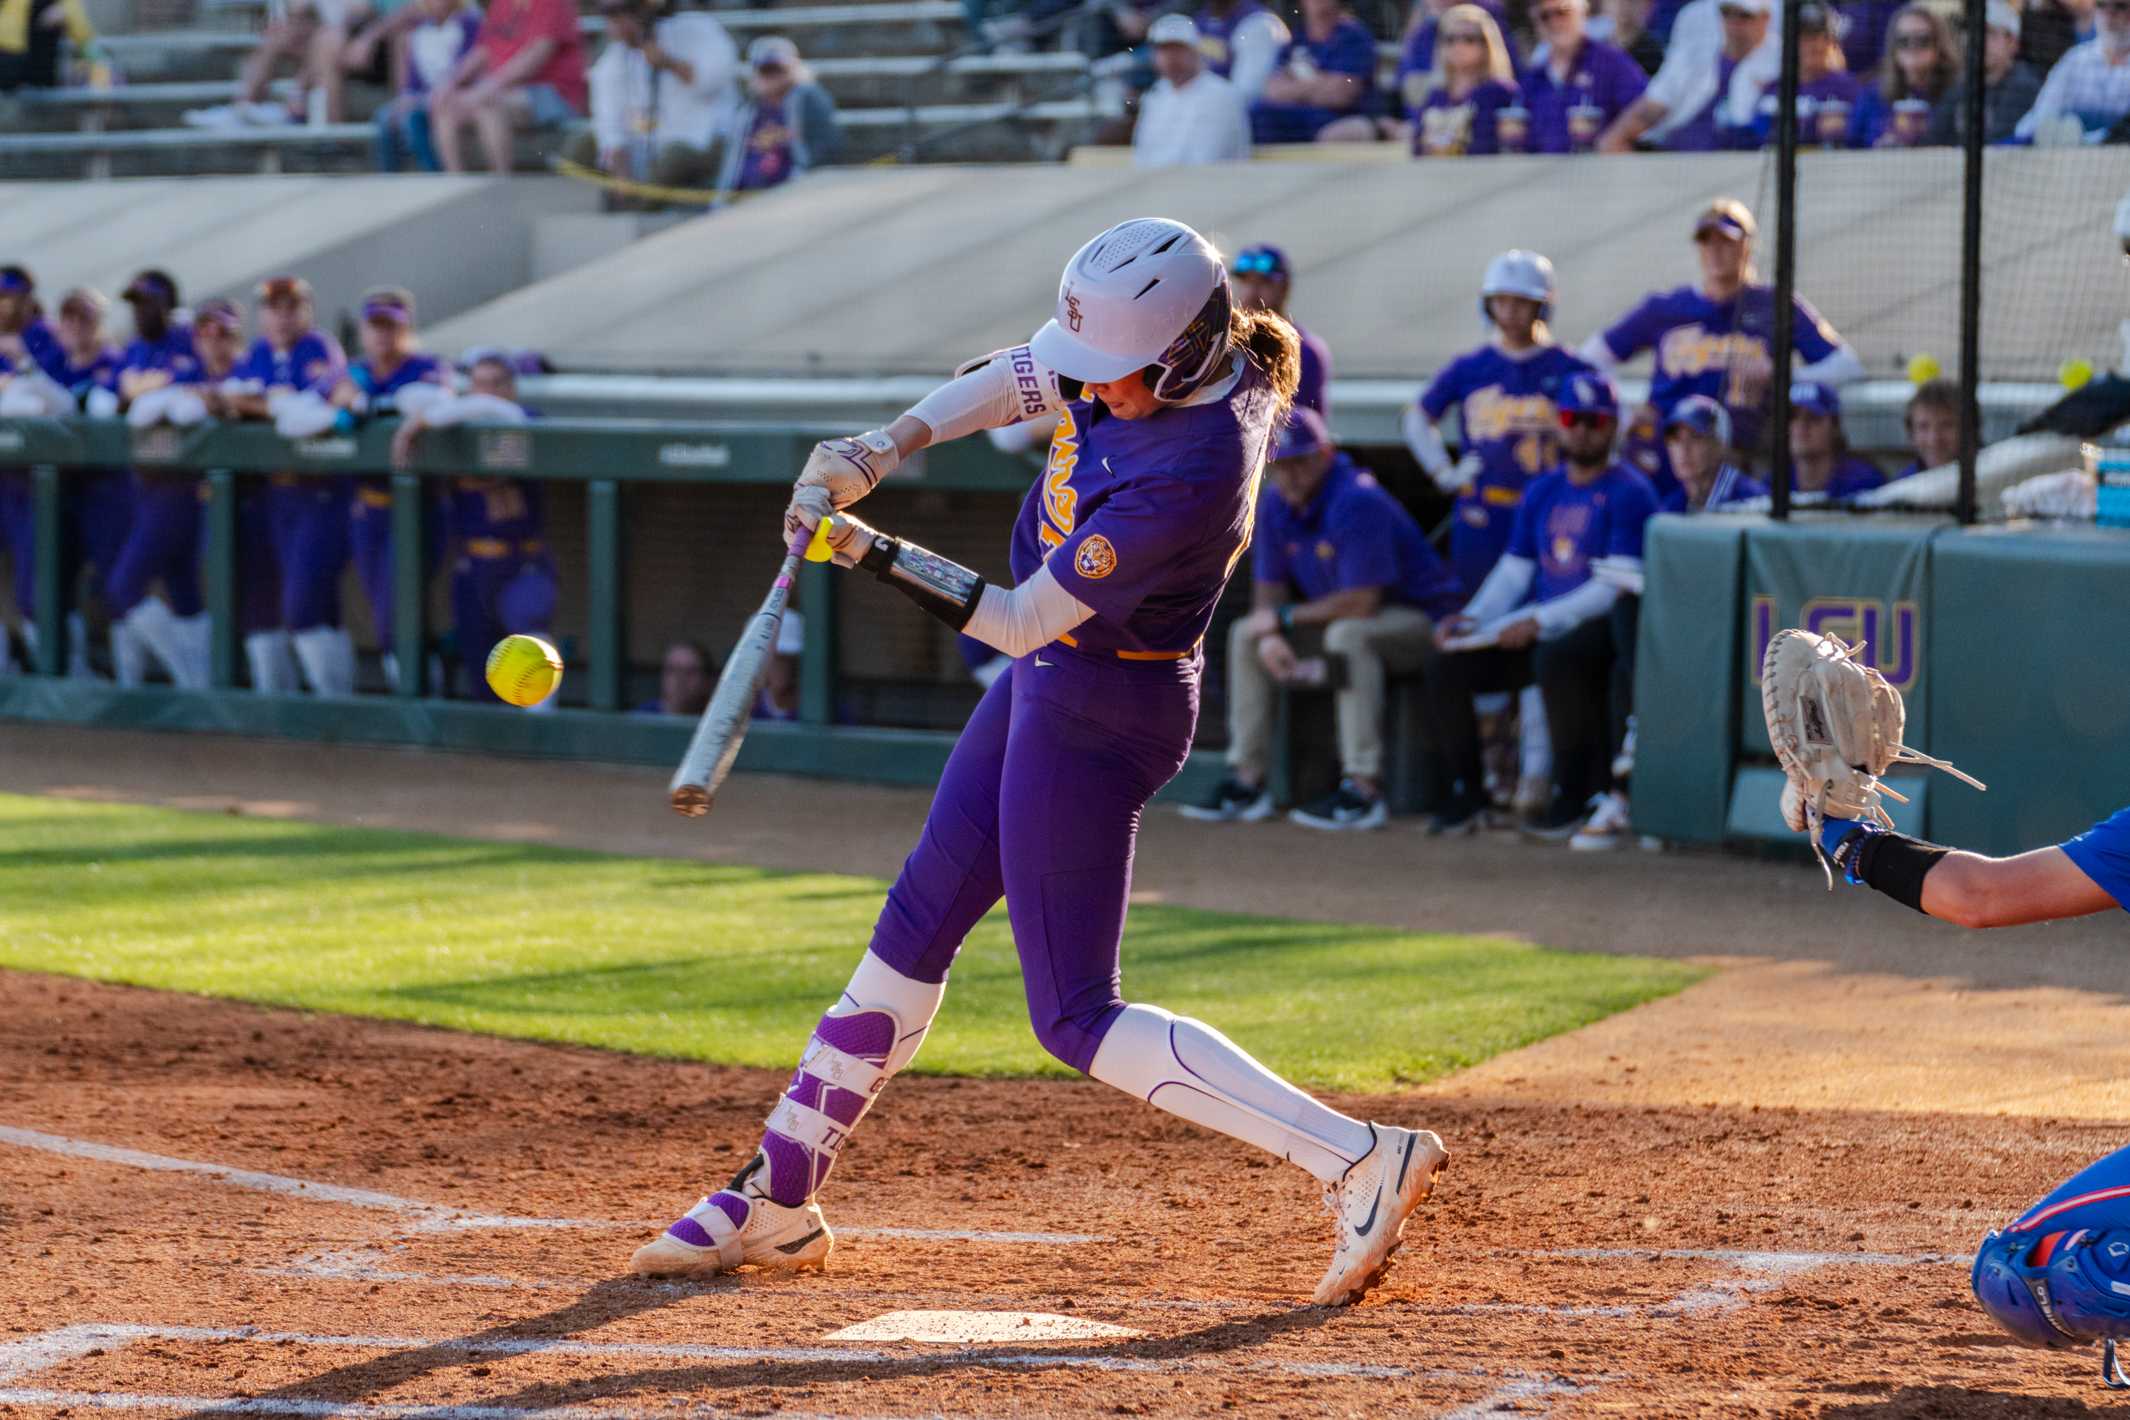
2010	646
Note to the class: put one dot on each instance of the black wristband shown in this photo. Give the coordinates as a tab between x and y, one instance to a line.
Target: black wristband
1285	617
946	589
1895	864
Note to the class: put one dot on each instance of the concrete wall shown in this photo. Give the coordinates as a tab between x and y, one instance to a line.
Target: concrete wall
911	269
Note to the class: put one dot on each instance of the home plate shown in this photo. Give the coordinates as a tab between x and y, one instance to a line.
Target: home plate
977	1328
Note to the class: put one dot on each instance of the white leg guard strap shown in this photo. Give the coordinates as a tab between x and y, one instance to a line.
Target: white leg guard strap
1537	756
1194	1072
273	663
327	655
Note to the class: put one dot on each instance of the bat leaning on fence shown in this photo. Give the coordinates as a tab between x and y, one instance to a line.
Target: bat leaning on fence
724	721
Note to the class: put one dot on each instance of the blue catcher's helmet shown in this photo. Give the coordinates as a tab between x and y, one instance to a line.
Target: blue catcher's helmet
2014	1287
2060	1274
1586	392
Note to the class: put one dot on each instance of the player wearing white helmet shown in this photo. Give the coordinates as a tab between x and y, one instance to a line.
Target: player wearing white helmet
1167	399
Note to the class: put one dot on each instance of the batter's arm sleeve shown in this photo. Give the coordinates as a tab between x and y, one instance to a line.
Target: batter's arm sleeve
1837	368
1003	388
1598	354
1027	617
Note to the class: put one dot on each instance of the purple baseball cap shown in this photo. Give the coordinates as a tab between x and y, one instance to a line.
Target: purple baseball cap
151	285
16	280
1702	415
1304	434
1728	217
221	311
388	303
1812	397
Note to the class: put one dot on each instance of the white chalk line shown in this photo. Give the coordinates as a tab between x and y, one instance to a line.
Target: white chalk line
442	1217
348	1409
1518	1397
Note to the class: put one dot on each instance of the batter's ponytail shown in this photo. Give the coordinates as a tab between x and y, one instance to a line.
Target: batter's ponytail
1270	343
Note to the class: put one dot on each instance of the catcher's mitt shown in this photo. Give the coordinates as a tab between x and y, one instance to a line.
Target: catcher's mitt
1836	726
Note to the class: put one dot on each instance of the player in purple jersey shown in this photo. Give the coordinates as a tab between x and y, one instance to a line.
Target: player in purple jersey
1713	339
1168	398
308	517
1263	282
1503	395
382	383
1820	458
1698	438
1552	610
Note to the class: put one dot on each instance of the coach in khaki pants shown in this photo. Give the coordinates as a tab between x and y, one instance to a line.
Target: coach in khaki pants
1336	554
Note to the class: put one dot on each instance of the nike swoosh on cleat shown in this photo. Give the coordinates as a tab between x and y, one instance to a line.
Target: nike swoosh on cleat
1406	1162
800	1245
1370	1226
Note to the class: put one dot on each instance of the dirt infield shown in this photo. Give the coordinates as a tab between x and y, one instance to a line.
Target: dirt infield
1753	1198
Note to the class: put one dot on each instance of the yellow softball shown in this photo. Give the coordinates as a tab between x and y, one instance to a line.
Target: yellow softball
523	670
1922	369
2075	374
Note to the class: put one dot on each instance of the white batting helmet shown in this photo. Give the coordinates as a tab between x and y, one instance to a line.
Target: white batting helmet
1148	294
1518	273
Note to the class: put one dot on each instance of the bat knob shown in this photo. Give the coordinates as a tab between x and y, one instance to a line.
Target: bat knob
690	801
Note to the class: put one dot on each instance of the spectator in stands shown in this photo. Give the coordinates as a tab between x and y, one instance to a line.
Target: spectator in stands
303	34
30	33
1900	109
786	127
2009	87
1191	115
1625	24
429	52
1242	42
525	70
1558	607
2089	89
1701	90
1264	281
1576	86
1827	93
1699	438
687	673
2048	30
777	697
1327	71
660	90
1820	458
1335	556
1932	420
1713	338
1416	59
1473	106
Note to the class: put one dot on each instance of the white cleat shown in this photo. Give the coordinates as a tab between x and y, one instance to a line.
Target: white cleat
1372	1203
736	1227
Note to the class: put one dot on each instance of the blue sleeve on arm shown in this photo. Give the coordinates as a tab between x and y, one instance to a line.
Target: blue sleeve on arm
2102	853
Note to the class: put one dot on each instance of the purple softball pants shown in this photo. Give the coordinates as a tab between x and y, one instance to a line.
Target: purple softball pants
1040	804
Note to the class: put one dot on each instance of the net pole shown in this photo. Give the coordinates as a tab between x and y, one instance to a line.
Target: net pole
1976	15
1784	338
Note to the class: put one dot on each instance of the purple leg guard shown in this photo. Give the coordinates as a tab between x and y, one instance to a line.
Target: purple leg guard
822	1105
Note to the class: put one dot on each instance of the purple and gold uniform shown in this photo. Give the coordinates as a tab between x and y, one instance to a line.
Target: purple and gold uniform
1353	533
1314	389
1716	348
306	517
504	581
1563	527
1471	126
370	519
163	533
1505	405
1143	521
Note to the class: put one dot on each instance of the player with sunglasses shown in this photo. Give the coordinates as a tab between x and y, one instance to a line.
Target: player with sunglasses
1263	281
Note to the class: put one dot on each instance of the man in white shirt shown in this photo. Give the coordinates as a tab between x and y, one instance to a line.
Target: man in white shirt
1722	55
1191	115
659	91
2089	85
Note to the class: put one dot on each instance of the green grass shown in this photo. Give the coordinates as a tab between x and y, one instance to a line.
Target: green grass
717	963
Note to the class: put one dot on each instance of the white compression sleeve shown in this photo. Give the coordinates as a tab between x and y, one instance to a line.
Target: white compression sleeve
1571	609
1597	354
1017	620
448	409
1196	1073
1838	368
1503	589
1009	386
1425	441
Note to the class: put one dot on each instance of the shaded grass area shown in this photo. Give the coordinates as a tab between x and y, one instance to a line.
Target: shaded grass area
715	962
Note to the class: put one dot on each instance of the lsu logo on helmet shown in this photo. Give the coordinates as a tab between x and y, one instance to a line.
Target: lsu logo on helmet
1095	558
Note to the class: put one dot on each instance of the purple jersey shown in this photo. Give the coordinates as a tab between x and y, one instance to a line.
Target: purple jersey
1216	34
1826	113
173	354
1314	390
769	148
1444	127
1419	55
1144	519
1564	527
314	362
1704	132
1731	486
1349	49
1508	419
496	517
1568	116
1716	348
382	390
1352	534
1853	474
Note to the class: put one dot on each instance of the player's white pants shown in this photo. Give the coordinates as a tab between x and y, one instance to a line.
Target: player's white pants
1194	1072
273	663
327	655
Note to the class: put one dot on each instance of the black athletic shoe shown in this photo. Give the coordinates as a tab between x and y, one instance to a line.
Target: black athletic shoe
1232	802
1560	819
1345	807
1460	816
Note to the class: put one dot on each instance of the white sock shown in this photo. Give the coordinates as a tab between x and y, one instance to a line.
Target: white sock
1194	1072
327	655
1537	758
77	645
273	663
189	639
138	637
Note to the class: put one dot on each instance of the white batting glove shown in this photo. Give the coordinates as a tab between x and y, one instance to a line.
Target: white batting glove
847	468
849	539
1460	475
810	503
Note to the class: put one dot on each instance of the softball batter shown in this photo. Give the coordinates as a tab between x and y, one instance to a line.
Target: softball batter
1167	400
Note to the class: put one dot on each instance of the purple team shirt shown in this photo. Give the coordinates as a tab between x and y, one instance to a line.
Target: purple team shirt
1567	117
769	157
172	353
1564	528
314	362
1419	55
1826	113
1352	534
1471	126
1144	519
1703	133
418	368
1717	349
